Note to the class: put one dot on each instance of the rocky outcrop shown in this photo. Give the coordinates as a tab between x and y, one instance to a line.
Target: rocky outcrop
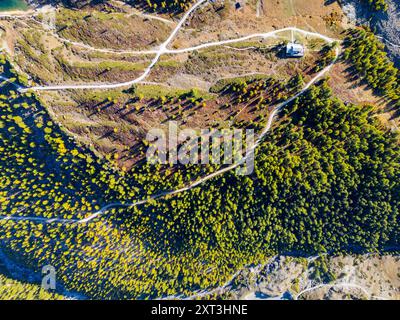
386	25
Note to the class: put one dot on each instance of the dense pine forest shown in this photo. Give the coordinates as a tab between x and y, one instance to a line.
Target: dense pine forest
370	60
326	180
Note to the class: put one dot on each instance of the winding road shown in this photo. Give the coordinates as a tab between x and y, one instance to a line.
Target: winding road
162	50
194	184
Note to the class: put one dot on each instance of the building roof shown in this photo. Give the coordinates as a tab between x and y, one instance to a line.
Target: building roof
294	50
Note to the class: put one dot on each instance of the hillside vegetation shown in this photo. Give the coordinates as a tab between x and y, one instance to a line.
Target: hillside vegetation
162	5
368	56
16	290
165	6
326	180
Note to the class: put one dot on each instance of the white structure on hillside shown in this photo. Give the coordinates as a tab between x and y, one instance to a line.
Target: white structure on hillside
294	50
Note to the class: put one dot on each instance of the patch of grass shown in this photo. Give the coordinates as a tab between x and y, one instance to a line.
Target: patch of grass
157	91
109	65
169	63
101	95
221	84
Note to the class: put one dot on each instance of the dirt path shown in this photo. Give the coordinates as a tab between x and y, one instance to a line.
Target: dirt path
162	50
344	285
250	153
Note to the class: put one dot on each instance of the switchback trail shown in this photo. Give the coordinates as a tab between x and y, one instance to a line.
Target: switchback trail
194	184
162	50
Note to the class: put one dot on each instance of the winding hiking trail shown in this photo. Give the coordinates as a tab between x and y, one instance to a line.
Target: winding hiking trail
204	293
194	184
4	79
388	41
162	50
344	285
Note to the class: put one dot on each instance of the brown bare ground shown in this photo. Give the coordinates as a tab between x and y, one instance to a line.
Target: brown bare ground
207	23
